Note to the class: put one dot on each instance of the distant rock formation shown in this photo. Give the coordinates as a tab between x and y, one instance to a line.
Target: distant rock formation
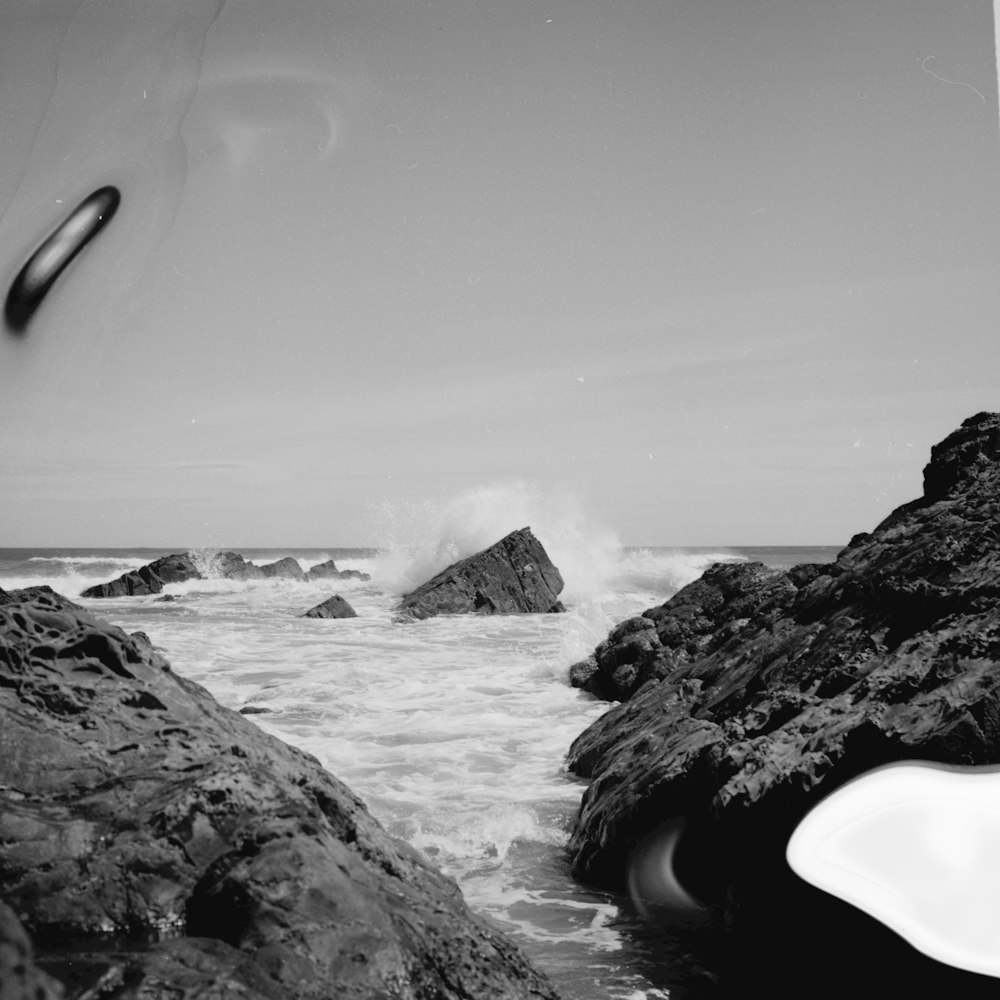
328	570
149	579
332	607
752	693
514	576
285	569
152	578
155	845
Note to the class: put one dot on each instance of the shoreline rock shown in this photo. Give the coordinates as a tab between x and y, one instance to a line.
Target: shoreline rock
182	566
513	576
332	607
148	579
328	570
752	693
158	843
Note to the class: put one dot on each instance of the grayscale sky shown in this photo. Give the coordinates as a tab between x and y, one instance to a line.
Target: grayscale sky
721	272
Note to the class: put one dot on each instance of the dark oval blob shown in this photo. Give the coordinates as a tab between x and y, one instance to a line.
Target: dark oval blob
45	265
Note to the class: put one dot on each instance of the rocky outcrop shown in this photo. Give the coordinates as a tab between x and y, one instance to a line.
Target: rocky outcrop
149	579
228	566
285	569
159	845
29	593
332	607
752	693
514	576
328	571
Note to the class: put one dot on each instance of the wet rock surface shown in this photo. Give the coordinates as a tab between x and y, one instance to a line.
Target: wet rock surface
514	576
328	570
149	579
179	567
752	693
155	844
332	607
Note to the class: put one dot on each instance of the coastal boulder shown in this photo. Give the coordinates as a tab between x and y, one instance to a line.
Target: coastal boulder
149	579
514	576
328	570
156	845
284	569
752	693
332	607
152	578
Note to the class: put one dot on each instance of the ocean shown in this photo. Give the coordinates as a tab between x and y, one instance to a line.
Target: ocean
453	729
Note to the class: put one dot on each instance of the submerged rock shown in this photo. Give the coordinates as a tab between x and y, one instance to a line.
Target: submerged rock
752	693
158	845
332	607
514	576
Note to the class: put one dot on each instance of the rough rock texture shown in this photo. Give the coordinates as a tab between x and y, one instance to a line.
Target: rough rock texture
286	569
231	566
152	578
332	607
163	846
328	570
753	693
29	593
20	978
149	579
513	576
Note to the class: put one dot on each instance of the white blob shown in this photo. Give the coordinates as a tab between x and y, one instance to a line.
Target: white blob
915	846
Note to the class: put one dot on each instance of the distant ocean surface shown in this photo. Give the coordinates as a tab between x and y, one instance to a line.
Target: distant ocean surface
453	729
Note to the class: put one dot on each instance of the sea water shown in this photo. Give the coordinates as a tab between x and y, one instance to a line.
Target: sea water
453	729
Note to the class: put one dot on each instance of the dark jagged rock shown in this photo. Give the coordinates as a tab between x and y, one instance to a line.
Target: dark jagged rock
332	607
328	570
256	710
514	576
654	644
149	579
155	845
285	569
753	693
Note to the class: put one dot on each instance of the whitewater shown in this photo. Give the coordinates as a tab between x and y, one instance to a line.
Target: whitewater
453	729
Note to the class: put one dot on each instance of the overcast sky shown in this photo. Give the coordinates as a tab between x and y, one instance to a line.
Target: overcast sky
721	271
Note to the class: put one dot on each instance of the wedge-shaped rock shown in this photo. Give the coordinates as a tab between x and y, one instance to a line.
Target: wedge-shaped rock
514	576
332	607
